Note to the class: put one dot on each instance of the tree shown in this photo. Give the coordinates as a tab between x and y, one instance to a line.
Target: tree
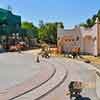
61	25
48	32
83	25
42	33
31	29
27	25
94	19
98	14
89	22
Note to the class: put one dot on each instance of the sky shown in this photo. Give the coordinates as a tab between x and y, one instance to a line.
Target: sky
70	12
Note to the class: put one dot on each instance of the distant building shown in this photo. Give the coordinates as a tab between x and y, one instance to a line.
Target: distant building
9	23
87	40
11	32
10	27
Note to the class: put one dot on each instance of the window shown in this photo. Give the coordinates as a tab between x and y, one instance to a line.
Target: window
77	39
66	40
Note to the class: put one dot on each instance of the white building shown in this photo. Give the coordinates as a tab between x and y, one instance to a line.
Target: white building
88	40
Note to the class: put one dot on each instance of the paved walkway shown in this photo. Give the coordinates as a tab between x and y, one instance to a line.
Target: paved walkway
15	68
56	86
76	71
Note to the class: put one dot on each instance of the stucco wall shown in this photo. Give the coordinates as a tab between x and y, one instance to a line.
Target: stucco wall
87	45
69	39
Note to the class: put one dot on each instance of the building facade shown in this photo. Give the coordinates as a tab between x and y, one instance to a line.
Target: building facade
87	40
10	26
9	23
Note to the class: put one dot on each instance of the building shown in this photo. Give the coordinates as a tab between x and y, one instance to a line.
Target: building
10	26
87	40
9	23
11	31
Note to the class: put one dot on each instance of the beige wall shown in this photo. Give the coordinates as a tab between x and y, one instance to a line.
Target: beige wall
69	41
90	44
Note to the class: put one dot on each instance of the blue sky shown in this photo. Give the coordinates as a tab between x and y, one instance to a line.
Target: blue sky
70	12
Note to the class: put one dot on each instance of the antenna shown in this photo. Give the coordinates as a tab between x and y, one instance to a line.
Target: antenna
9	8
